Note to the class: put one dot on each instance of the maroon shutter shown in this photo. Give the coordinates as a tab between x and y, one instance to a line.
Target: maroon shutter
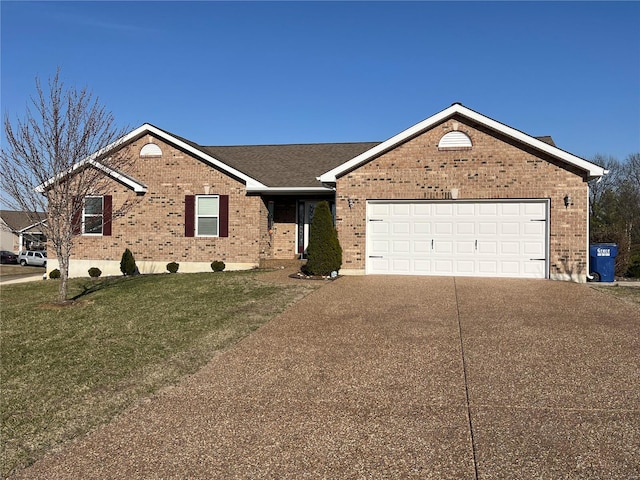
107	213
189	215
76	221
224	215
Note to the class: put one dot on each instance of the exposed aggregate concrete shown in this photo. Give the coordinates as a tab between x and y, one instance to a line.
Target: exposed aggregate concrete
365	379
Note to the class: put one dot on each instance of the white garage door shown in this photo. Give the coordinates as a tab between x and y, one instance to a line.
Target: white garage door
483	239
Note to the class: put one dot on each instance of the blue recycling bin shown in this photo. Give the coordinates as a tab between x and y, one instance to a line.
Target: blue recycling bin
602	261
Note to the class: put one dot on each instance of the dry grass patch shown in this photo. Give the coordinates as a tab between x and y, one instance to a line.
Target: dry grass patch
66	370
630	294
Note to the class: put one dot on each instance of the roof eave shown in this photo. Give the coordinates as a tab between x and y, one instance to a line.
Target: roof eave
137	186
592	170
290	190
249	181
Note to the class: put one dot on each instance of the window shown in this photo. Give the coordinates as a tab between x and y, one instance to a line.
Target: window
92	216
207	215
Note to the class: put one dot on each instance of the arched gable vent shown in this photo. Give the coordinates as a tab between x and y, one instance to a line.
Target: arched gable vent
455	139
151	150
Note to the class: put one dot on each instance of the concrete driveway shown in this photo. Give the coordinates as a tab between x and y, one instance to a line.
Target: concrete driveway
398	377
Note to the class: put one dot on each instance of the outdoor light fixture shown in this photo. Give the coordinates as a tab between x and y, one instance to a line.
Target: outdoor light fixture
567	201
351	202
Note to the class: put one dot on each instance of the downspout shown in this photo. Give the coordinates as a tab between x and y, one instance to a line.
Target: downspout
589	277
588	259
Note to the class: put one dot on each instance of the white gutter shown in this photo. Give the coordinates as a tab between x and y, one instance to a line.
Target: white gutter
290	190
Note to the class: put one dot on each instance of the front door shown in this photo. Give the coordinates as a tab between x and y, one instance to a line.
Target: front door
305	215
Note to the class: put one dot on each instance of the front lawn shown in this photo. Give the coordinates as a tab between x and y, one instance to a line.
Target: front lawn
630	294
65	370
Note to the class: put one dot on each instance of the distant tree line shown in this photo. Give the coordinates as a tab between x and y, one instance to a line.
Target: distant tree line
614	203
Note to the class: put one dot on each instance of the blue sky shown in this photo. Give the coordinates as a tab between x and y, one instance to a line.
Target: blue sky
228	73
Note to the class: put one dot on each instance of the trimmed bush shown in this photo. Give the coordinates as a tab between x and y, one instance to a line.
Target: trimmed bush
172	267
324	252
95	272
54	274
217	266
127	263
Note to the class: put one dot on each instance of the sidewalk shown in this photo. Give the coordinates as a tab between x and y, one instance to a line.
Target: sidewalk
11	279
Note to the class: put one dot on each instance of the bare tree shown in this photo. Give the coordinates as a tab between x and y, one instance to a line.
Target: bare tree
607	182
615	206
57	155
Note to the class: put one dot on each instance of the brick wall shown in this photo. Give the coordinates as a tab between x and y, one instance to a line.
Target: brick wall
283	239
153	227
494	168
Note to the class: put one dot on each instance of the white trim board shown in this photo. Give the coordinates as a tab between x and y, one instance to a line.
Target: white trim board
593	170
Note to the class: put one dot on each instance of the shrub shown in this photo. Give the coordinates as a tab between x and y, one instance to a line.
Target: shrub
172	267
95	272
217	265
634	266
54	274
128	263
324	252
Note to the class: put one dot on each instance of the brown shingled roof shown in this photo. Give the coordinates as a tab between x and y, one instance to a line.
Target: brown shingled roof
547	139
288	165
18	220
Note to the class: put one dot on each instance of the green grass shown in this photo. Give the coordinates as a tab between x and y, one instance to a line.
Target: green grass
65	370
11	270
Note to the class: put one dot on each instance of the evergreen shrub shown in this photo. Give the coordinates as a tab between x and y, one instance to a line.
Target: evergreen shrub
172	267
634	266
324	252
127	263
95	272
54	274
217	266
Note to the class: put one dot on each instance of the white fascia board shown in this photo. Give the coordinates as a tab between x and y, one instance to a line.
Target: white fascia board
141	130
290	190
31	226
250	182
128	181
593	170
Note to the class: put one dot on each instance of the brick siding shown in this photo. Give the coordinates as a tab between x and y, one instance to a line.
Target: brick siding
494	168
153	227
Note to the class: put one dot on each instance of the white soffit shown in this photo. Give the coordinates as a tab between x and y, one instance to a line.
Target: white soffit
593	170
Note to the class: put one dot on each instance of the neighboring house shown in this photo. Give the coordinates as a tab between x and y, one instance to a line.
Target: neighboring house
18	232
457	194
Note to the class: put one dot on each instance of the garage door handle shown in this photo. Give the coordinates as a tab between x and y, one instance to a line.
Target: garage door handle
534	259
376	220
375	256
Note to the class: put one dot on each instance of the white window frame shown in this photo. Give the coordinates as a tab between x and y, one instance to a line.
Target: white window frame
93	215
217	216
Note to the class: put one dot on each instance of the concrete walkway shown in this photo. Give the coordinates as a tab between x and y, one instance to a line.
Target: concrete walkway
397	377
11	279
